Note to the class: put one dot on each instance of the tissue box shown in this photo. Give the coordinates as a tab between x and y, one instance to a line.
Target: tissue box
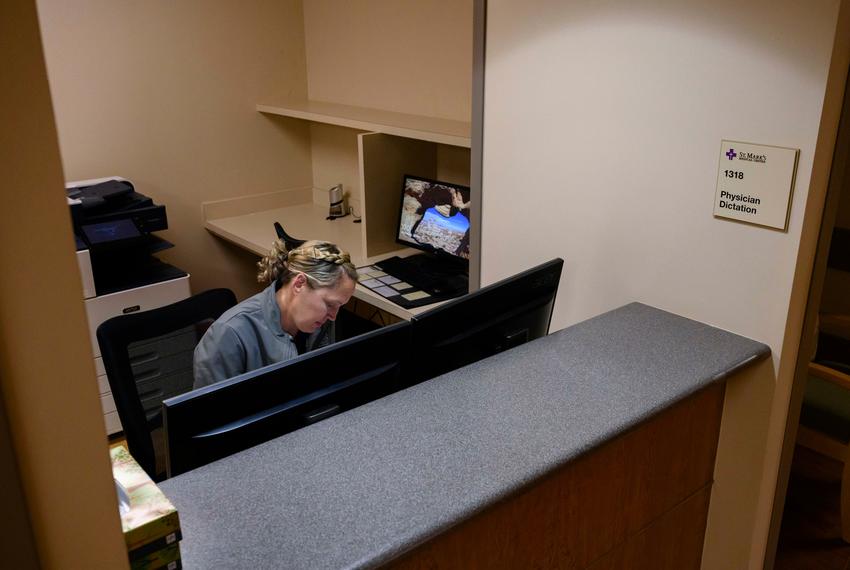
150	522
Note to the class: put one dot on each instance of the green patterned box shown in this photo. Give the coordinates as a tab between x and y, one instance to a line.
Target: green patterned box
150	523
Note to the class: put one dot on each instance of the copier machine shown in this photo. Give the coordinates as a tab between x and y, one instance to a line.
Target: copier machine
113	227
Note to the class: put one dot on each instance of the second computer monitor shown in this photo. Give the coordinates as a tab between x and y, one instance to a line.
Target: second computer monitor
495	318
221	419
434	216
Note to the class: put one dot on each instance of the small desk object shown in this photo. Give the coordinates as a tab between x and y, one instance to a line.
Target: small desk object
593	447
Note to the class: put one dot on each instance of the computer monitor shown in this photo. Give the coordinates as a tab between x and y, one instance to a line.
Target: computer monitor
434	216
221	419
495	318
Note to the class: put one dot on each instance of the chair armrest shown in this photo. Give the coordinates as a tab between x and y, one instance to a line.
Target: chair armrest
830	374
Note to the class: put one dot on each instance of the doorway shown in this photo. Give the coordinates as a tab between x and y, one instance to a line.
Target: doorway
806	529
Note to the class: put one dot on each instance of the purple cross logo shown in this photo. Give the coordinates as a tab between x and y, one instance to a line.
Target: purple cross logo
731	154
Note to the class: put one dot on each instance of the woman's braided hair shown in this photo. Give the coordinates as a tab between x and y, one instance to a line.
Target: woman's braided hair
322	262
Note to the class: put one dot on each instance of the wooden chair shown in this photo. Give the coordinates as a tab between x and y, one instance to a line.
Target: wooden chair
825	419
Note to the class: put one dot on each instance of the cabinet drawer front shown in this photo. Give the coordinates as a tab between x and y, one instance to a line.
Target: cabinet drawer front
107	403
99	369
144	298
113	424
103	384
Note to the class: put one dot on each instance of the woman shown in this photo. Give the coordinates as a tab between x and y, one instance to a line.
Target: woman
293	315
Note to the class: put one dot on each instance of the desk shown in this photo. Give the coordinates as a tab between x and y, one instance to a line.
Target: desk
594	442
250	225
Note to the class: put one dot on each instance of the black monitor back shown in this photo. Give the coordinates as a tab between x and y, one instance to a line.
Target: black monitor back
224	418
493	319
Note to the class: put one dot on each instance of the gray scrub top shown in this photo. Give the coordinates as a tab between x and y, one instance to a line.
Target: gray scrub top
249	336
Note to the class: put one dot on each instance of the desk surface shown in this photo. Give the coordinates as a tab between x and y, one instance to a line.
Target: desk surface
363	487
254	232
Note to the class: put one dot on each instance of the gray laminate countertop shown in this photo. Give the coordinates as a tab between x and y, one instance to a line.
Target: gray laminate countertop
362	487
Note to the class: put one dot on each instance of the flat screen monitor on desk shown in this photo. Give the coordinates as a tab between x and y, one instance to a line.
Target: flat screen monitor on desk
433	217
495	318
221	419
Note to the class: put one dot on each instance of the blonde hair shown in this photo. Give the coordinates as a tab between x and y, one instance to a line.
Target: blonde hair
322	262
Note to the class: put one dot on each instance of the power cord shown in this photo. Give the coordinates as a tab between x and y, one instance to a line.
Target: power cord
356	219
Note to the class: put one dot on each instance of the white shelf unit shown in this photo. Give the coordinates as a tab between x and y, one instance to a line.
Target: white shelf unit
393	144
431	129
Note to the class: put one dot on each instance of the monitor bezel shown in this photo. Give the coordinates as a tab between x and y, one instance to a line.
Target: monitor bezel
540	268
260	379
423	247
425	321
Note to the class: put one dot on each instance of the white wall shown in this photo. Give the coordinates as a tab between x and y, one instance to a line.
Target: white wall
602	131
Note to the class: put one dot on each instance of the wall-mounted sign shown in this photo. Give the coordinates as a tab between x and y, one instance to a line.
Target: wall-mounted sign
754	183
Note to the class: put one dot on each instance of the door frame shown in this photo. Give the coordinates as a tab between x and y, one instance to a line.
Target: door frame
839	176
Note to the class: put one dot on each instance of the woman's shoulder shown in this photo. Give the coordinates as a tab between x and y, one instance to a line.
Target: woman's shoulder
238	322
245	309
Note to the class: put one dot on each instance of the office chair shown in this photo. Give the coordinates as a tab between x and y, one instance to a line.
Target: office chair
289	241
148	357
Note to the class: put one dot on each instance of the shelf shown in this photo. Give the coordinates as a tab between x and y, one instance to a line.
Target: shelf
255	231
443	131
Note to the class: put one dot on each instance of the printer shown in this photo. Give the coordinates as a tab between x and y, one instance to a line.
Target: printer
115	225
114	232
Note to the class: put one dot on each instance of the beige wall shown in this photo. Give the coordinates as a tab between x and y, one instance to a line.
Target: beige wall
601	134
335	161
46	368
164	93
17	543
408	56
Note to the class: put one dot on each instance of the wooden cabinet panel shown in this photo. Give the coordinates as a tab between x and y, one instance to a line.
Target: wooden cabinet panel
596	504
672	542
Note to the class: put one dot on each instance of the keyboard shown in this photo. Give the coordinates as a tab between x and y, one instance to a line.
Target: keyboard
432	275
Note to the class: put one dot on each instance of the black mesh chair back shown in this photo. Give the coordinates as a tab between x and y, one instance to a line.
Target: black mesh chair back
148	358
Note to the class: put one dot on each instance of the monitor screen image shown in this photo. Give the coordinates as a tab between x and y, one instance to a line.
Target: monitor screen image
434	216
